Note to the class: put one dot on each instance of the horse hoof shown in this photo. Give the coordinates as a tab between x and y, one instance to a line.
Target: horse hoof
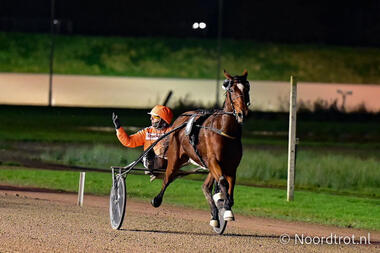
156	202
228	215
217	196
214	223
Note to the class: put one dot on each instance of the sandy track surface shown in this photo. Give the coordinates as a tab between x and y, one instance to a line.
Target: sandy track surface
46	222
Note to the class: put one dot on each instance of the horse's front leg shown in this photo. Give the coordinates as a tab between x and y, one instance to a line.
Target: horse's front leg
224	186
231	186
207	191
227	192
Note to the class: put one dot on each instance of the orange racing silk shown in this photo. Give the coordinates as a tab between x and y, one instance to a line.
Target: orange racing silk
146	137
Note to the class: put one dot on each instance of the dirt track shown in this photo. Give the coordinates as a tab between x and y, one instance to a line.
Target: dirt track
45	222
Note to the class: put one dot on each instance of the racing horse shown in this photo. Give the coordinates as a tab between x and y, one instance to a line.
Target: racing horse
211	140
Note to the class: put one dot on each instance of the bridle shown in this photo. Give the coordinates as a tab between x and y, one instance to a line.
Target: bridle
227	85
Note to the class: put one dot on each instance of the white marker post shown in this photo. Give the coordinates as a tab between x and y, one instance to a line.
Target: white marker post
292	137
81	188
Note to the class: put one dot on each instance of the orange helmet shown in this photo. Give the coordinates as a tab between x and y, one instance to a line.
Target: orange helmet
163	112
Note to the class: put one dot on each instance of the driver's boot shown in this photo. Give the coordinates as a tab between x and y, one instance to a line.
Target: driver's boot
148	162
152	177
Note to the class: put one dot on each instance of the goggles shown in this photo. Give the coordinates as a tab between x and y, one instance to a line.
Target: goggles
154	117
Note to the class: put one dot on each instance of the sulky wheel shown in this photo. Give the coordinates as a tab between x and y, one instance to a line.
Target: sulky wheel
118	200
222	222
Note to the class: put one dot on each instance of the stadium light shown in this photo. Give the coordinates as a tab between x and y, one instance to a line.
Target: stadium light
202	25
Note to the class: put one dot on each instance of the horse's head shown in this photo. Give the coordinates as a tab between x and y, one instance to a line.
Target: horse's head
237	88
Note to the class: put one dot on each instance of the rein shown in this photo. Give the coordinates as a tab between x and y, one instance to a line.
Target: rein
207	113
130	166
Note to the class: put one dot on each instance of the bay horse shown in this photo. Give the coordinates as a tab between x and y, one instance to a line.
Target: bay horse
217	146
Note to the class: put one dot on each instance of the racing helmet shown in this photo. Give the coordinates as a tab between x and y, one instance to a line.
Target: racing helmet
163	112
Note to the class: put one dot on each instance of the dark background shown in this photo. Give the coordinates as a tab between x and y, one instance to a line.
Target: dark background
352	22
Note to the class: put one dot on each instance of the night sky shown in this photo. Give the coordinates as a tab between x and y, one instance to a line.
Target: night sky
354	23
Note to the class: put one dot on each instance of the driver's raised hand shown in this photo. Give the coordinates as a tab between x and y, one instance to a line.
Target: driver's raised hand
116	120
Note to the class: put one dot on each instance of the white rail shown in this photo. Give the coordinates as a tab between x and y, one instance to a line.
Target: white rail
81	188
292	137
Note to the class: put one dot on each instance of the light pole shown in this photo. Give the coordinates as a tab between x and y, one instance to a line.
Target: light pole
53	22
219	47
344	94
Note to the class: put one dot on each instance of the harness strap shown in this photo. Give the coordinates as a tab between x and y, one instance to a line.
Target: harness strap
218	131
193	135
199	156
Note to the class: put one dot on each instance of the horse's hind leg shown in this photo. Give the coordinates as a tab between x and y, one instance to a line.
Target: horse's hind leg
170	175
207	191
174	163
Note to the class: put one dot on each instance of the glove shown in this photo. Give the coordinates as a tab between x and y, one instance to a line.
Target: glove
116	120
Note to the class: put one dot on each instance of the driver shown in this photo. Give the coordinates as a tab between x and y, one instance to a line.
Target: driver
161	117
